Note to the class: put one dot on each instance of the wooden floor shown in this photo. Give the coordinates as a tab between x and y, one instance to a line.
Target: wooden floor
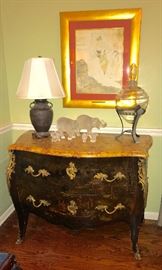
49	247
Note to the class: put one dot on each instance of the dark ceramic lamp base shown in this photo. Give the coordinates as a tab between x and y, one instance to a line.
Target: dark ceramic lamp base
41	115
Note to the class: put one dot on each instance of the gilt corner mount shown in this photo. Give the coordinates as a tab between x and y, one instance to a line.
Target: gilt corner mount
97	49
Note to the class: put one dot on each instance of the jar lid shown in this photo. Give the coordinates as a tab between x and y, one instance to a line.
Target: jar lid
133	95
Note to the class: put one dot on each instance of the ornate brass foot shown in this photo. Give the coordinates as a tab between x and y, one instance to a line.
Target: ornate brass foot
19	240
137	255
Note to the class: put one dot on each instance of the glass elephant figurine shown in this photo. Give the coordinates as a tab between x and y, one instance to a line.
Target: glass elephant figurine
83	125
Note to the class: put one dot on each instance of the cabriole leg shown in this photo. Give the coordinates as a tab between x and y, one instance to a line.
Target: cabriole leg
23	220
134	227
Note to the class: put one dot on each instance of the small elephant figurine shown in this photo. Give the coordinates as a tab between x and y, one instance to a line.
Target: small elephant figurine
92	137
55	136
67	126
88	123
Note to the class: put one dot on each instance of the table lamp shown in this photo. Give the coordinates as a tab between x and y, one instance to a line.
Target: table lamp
40	81
131	103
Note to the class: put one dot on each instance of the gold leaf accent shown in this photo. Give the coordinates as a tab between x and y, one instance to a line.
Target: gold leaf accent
104	177
31	199
71	171
42	172
11	167
142	177
103	208
72	207
101	176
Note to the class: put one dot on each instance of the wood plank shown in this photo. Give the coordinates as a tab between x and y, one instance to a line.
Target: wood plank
51	247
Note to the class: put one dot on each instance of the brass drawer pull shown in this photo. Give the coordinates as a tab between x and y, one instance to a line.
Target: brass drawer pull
71	171
104	177
72	207
42	172
31	199
102	208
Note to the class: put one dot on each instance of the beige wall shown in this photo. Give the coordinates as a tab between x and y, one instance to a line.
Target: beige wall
32	28
5	137
4	100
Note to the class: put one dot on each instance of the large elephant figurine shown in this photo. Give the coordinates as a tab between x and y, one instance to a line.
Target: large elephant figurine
68	127
88	123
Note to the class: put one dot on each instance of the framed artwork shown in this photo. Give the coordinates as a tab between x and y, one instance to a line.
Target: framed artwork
97	49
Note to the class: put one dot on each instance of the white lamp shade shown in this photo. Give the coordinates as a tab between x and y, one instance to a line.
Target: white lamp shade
40	80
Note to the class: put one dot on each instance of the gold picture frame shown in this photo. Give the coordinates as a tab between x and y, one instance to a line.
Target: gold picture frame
97	49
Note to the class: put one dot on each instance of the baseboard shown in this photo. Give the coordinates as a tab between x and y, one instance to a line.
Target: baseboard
151	215
19	126
6	214
5	128
148	131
